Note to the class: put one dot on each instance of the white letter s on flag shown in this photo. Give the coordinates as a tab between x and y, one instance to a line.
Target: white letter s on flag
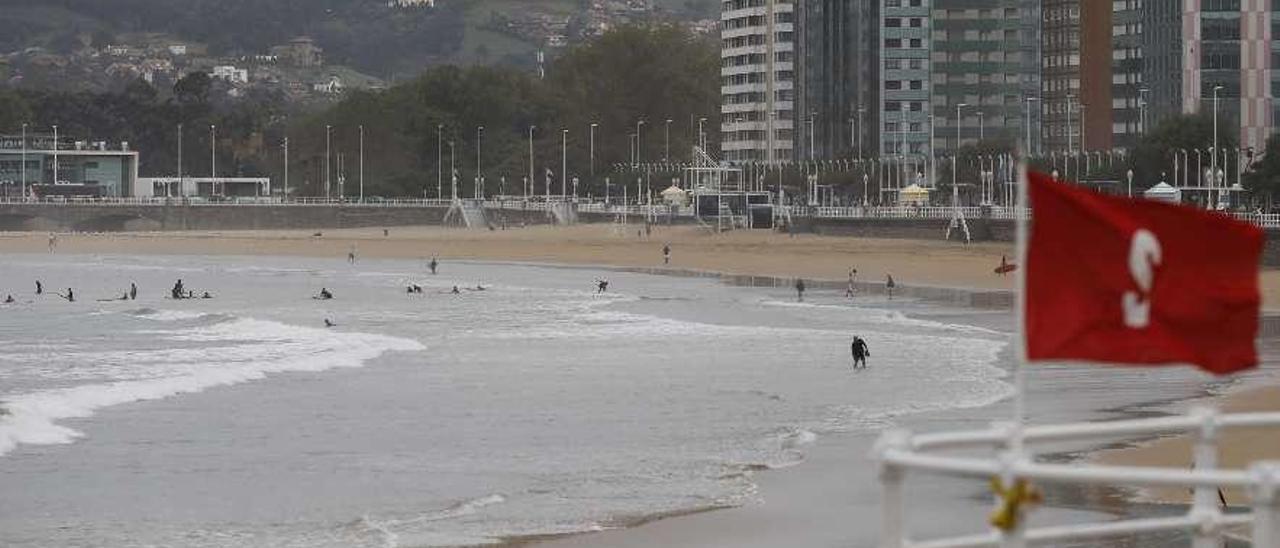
1144	256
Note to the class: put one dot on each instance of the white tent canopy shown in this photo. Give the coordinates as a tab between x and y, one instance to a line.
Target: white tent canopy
1162	192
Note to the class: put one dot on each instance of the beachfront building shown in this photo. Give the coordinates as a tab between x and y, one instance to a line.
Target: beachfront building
837	78
904	107
71	168
1076	76
757	80
1227	46
202	187
986	56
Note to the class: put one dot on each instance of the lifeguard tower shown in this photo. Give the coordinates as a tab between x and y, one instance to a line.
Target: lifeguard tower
721	198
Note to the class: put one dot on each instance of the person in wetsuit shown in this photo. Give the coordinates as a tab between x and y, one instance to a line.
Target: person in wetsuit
799	289
325	294
133	291
602	286
860	352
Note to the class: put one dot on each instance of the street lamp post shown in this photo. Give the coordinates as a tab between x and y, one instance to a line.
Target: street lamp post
1027	150
1070	139
666	142
982	132
55	155
592	132
327	151
1213	156
702	137
453	174
361	163
954	166
564	162
639	155
811	134
439	161
1142	110
213	159
476	191
181	181
23	187
531	180
285	196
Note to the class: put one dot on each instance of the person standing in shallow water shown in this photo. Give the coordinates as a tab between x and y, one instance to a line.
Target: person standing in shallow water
860	352
800	289
133	291
433	265
666	254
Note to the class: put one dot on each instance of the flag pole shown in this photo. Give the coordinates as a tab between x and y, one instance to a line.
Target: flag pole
1022	213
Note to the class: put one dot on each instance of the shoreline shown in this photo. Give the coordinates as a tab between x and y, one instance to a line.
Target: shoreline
1250	395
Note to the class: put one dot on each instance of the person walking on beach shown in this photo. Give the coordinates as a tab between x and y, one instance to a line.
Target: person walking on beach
433	265
799	290
666	254
133	291
848	290
860	352
889	285
351	255
53	242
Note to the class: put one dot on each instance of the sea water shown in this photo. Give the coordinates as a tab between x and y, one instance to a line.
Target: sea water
528	403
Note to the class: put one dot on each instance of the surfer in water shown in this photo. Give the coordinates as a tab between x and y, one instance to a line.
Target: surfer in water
889	285
70	296
666	254
433	265
8	299
39	288
602	286
456	291
799	290
860	352
328	323
178	291
133	291
324	294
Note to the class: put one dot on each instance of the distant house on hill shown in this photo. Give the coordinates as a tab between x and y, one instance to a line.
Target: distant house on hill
300	52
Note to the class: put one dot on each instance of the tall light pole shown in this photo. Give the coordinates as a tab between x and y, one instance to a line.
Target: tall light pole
361	163
564	162
592	132
666	142
1213	157
213	159
479	173
1142	110
24	162
55	154
862	129
1029	145
639	156
285	196
453	174
327	181
956	154
811	139
982	133
439	161
702	137
181	181
1070	138
531	128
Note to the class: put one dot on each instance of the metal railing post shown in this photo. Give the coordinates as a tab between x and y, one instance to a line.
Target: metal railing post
1204	503
893	500
1265	493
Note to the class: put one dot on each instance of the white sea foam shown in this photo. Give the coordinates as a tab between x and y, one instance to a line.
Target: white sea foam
265	347
882	315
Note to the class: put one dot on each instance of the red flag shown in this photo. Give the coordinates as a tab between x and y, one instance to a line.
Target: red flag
1118	280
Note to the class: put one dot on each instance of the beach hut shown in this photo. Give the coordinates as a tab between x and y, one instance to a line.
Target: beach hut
673	195
1162	192
913	195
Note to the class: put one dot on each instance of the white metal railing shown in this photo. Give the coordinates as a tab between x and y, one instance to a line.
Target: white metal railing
899	452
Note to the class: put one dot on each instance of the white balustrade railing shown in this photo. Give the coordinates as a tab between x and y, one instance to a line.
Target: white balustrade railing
901	453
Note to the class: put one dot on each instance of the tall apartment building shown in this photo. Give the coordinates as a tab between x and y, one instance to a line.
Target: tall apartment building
757	80
1076	91
985	56
838	76
1227	46
905	43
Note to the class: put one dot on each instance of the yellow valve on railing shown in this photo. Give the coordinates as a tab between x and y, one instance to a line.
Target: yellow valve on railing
1012	500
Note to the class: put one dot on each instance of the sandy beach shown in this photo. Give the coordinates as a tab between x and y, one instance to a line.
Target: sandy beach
810	500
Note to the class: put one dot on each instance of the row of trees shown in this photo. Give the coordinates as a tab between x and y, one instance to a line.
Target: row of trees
653	74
